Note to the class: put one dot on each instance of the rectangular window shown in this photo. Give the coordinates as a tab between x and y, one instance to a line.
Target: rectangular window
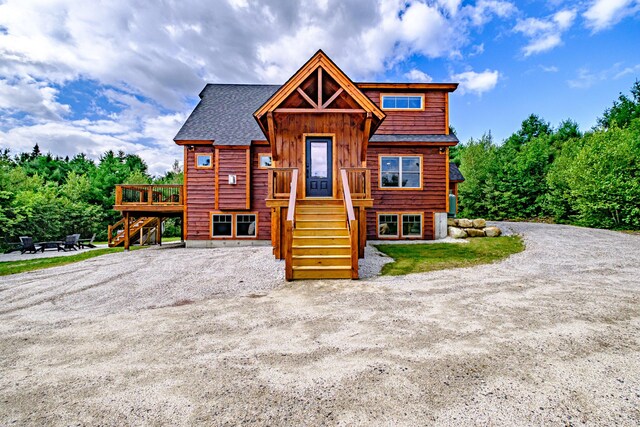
411	225
245	225
203	161
402	102
221	225
387	225
265	161
401	172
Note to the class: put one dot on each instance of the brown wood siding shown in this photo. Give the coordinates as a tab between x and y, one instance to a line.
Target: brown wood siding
290	130
259	190
200	195
432	198
232	196
432	120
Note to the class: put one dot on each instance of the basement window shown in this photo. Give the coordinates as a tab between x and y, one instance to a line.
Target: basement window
221	226
411	225
388	225
246	225
402	102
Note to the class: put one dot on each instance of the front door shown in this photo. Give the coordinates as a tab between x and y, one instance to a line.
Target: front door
319	163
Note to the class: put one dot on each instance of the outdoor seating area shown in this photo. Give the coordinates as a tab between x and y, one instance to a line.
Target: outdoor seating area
71	242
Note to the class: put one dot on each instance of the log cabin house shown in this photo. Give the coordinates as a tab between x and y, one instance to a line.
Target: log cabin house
313	167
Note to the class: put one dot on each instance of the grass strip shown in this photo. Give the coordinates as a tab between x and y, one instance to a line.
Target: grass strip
14	267
418	258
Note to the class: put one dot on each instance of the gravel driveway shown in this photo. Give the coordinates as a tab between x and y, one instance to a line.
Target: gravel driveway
550	336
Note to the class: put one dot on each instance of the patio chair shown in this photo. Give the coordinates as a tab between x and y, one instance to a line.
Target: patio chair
27	245
70	242
11	246
87	243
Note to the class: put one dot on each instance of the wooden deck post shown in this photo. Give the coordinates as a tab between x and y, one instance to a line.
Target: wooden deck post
159	231
126	231
362	230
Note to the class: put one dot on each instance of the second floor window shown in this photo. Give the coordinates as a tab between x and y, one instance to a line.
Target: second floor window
402	102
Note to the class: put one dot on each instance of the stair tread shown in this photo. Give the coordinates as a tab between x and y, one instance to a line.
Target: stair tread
321	246
321	237
320	256
322	267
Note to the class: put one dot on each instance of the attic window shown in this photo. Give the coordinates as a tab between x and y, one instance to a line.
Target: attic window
402	102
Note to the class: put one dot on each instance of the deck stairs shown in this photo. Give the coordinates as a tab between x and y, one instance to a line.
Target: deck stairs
321	247
149	223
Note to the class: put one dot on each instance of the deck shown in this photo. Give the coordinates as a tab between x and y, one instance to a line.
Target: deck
167	200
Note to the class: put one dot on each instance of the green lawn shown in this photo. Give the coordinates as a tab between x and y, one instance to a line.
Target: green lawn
418	258
13	267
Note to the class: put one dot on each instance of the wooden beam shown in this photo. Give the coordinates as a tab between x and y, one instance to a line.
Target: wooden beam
126	231
319	85
159	231
313	110
365	137
216	196
272	135
306	97
248	188
333	97
446	112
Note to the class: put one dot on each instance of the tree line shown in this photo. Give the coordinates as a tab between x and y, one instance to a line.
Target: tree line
48	197
558	174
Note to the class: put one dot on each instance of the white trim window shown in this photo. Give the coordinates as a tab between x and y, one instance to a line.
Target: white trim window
246	225
222	225
388	225
402	102
401	172
411	225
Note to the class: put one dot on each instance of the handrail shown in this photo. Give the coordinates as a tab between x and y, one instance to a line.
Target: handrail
352	224
347	196
111	229
290	225
292	196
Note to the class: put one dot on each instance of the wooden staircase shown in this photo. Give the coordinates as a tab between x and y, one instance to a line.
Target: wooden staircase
321	246
134	230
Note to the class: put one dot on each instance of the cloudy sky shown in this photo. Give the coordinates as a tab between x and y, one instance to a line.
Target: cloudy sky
78	76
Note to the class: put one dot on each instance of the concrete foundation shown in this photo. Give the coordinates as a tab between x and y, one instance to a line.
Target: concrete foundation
225	243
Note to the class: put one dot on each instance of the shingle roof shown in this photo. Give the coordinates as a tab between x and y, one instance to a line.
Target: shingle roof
414	138
454	173
225	114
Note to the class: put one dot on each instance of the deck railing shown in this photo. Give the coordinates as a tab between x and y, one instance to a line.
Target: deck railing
352	223
157	195
359	180
279	184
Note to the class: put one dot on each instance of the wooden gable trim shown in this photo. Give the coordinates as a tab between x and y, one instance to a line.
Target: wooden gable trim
450	87
319	62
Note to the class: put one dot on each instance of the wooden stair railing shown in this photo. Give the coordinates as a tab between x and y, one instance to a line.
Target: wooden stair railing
117	238
279	183
352	223
290	225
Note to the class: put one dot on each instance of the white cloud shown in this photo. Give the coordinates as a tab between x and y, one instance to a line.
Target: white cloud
586	78
603	14
150	60
545	34
478	83
416	75
549	69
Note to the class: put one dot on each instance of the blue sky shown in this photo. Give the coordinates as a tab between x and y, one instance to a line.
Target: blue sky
88	79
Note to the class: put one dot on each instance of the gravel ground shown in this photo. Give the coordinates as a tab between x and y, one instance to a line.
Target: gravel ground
550	336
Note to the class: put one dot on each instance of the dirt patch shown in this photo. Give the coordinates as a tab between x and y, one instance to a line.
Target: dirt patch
549	336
